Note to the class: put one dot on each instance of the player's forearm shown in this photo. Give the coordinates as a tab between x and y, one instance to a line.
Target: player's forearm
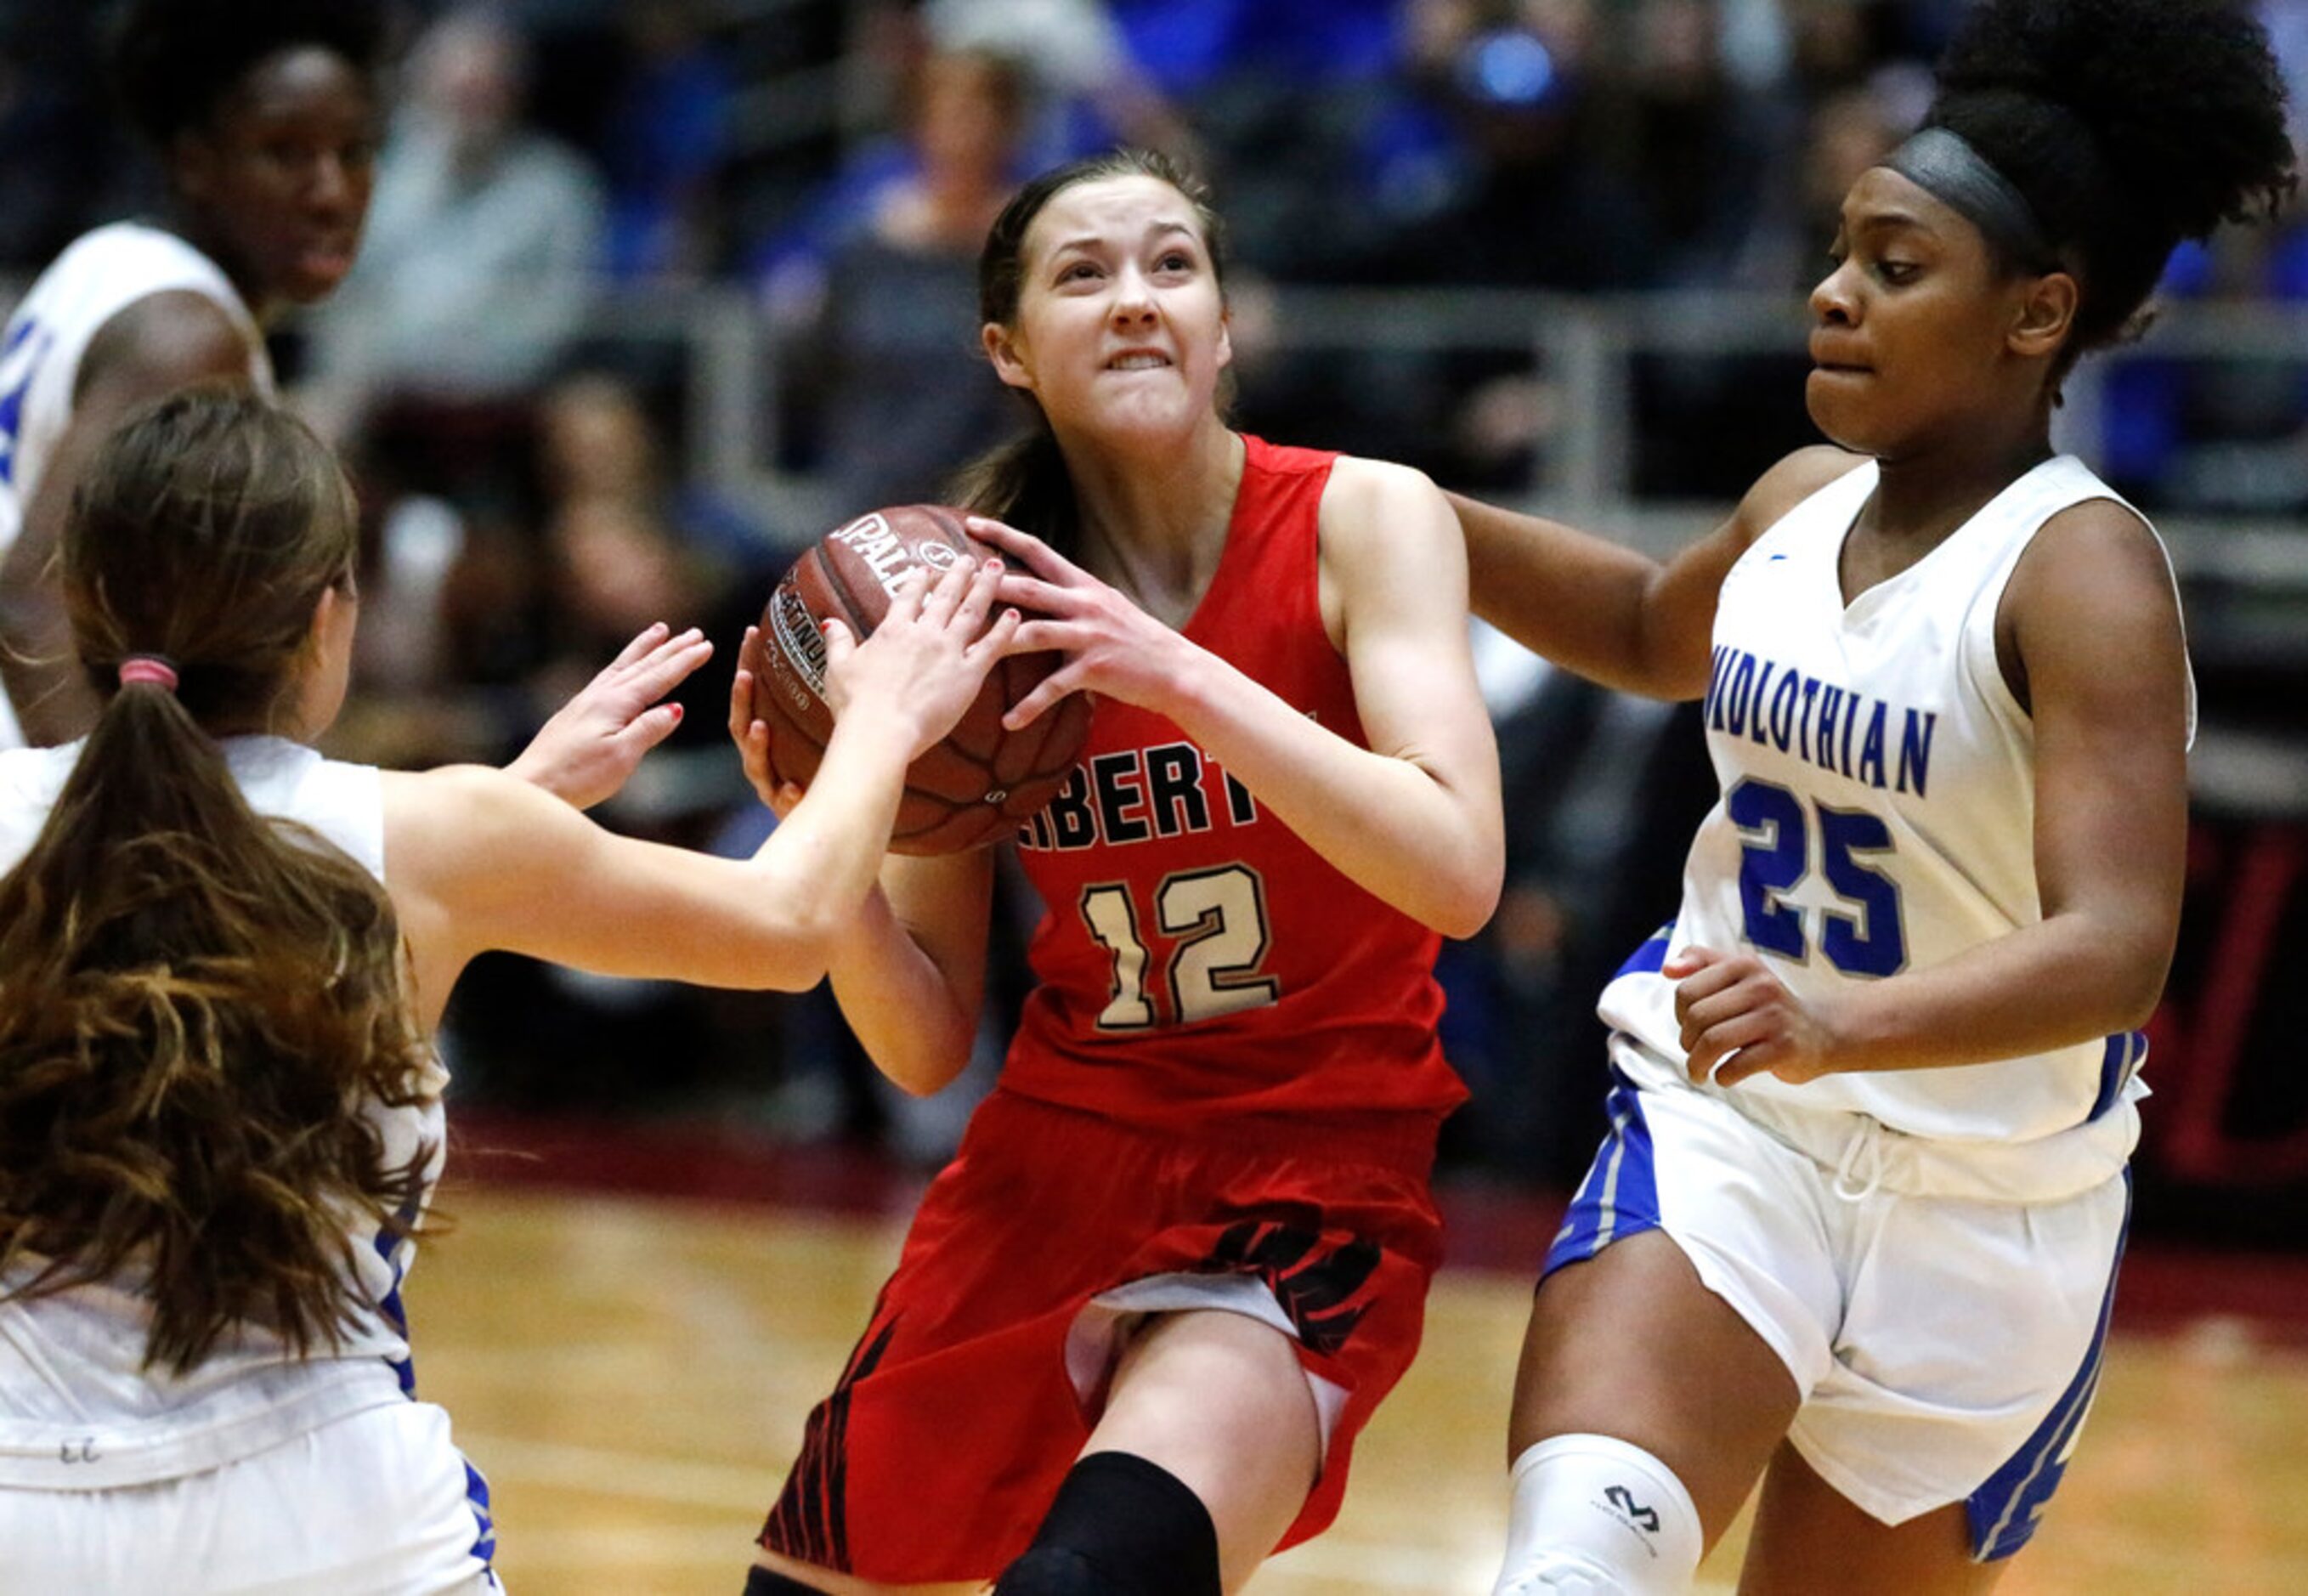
1573	598
2072	978
1394	827
827	854
901	1007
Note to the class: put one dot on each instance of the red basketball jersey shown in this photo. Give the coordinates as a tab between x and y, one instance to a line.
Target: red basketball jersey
1195	957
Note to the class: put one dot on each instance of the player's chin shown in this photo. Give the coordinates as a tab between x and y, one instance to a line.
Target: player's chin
307	278
1842	414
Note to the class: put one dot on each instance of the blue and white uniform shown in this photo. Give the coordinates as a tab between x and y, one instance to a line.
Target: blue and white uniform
1931	1253
97	276
258	1469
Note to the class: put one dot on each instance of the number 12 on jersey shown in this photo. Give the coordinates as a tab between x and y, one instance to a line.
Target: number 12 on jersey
1215	921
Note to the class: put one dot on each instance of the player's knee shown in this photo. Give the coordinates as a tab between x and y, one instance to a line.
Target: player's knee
1121	1526
1596	1516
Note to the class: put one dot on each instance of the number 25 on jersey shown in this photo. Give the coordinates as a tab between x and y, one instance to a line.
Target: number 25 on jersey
1774	855
1215	923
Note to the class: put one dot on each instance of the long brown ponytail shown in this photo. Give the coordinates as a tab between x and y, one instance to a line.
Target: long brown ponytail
198	1006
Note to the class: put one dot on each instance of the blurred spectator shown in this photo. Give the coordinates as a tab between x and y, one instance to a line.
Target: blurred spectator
891	385
1534	208
1785	247
480	618
1483	167
1697	146
1095	91
484	244
667	140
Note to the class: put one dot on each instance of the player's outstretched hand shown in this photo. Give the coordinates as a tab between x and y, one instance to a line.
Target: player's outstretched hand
1112	646
1740	1019
596	740
927	659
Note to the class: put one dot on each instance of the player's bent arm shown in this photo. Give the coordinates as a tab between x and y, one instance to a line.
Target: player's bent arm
2094	622
476	859
1414	819
155	346
909	970
1610	613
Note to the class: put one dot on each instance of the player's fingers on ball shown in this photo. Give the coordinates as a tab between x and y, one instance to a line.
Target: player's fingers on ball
1028	547
947	592
1040	636
907	596
997	639
977	599
752	655
1046	693
840	642
741	702
753	752
1031	592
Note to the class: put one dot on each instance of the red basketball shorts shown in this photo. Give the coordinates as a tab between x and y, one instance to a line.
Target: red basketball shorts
959	1413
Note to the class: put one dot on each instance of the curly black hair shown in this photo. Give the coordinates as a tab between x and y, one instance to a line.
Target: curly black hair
174	60
2129	125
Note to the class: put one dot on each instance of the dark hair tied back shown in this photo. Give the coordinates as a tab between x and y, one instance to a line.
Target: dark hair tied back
173	61
2127	124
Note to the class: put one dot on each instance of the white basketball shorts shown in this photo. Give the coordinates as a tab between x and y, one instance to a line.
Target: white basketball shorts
377	1504
1947	1347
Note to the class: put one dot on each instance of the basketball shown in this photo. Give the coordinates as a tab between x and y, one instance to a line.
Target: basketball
982	781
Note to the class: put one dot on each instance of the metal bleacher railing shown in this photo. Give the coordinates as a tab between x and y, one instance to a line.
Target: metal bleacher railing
1587	346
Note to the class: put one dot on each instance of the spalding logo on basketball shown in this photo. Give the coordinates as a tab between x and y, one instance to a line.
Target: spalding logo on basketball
982	781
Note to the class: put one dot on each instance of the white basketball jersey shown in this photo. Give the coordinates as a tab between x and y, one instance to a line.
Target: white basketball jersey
77	1409
100	274
1878	809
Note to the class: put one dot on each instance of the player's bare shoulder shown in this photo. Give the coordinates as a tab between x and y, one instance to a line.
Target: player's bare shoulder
1788	483
164	340
1377	501
2094	570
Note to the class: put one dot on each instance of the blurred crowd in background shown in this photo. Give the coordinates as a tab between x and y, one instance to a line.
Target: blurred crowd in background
838	161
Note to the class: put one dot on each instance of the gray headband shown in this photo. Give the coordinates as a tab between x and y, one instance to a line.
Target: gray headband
1944	164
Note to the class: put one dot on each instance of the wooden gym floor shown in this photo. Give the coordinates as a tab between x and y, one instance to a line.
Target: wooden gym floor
631	1372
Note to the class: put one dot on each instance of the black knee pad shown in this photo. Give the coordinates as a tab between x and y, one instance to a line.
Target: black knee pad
764	1581
1121	1526
1053	1571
